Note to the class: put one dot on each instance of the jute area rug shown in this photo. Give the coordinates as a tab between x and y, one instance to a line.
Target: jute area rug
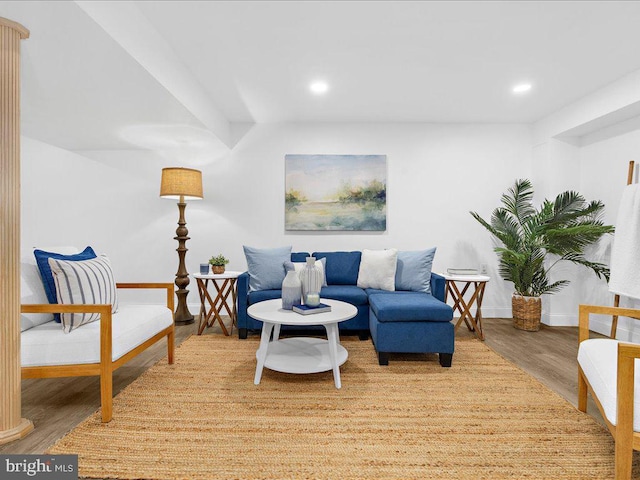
203	418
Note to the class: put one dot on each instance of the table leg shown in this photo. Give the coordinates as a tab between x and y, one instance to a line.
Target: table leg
202	287
262	351
479	309
467	307
459	304
474	319
473	322
217	306
455	295
276	332
211	308
212	314
234	311
334	339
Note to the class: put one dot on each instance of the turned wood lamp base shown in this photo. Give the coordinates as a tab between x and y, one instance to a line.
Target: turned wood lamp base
181	183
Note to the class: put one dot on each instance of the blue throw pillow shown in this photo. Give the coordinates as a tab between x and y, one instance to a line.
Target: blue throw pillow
414	270
266	267
42	259
342	267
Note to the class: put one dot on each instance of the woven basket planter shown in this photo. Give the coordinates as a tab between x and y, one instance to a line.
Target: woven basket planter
526	312
217	269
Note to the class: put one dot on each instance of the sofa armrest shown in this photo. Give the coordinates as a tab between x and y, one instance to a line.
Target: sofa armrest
167	286
242	285
438	286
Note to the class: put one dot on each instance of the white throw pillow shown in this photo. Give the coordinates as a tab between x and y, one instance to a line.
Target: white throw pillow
378	269
299	266
81	282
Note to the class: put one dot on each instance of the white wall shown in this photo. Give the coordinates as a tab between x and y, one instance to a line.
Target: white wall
556	168
604	165
589	141
596	165
436	175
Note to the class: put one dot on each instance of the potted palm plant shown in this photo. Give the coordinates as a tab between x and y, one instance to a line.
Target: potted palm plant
218	264
532	241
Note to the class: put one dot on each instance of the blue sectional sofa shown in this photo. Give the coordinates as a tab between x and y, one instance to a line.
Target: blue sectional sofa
398	321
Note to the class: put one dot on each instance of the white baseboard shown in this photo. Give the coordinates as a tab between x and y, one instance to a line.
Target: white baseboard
492	312
560	320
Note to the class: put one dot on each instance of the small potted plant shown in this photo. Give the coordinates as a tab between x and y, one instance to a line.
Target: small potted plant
218	263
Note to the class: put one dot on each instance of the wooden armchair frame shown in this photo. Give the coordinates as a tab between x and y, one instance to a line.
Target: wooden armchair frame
626	439
107	366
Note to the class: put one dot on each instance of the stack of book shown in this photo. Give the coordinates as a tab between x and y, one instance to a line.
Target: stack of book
307	310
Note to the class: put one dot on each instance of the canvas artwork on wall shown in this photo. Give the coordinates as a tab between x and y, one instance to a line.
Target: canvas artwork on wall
336	192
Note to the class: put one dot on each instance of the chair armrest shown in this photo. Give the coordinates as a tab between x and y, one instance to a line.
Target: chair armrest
106	340
586	310
627	354
167	286
57	308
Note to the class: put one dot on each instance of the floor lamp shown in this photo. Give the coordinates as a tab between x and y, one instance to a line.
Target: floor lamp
181	184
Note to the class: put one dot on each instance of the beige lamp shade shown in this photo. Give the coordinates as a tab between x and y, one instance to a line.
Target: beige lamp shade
180	182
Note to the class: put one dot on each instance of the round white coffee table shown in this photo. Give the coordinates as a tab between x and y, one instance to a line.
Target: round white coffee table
300	354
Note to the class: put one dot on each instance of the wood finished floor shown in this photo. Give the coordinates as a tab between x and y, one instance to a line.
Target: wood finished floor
57	405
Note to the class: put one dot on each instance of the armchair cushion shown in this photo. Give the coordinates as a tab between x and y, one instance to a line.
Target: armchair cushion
47	344
598	359
83	282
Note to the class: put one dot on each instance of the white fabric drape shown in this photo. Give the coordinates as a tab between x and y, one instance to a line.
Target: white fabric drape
625	254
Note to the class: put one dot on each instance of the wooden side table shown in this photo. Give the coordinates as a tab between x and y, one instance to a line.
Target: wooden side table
211	308
457	286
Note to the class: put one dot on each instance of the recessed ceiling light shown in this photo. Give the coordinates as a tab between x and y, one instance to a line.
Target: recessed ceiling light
319	87
522	88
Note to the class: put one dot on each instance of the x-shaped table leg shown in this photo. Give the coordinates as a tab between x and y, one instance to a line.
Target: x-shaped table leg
474	323
209	316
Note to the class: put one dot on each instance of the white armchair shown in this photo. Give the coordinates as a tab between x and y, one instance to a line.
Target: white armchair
606	369
97	348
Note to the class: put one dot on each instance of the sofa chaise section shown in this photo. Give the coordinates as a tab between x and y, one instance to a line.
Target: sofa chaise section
411	322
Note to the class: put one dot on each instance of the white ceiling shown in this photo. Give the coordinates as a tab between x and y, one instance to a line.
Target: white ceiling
385	61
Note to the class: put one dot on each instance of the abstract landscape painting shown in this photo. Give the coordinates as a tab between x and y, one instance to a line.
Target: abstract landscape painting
336	192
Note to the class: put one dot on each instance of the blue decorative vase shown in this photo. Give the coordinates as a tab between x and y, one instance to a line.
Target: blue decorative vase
311	278
291	290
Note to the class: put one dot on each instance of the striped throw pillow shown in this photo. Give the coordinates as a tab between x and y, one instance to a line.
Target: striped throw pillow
81	282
